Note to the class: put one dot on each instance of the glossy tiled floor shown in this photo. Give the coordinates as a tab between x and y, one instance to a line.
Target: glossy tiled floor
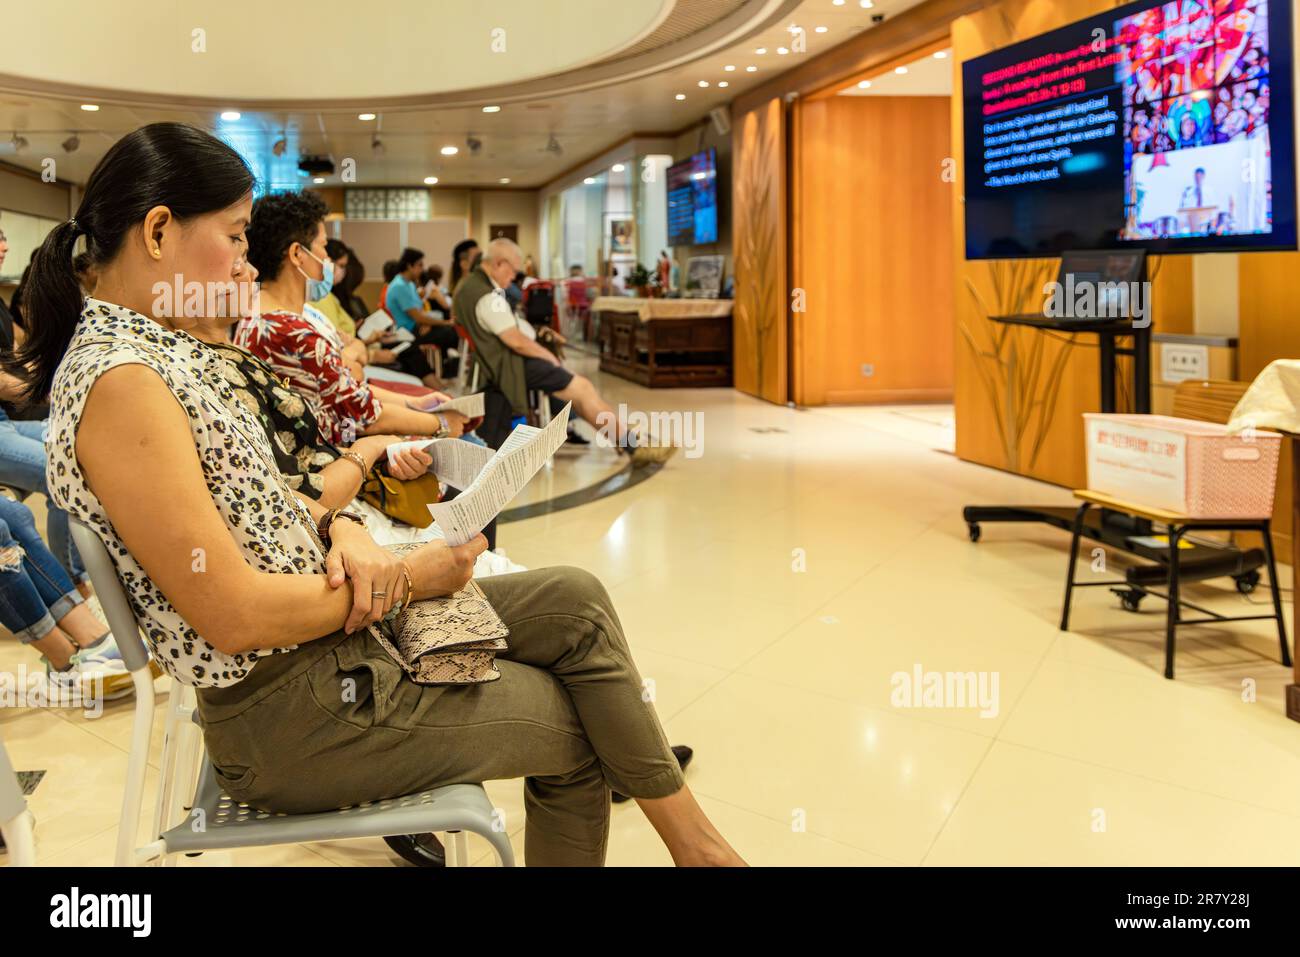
773	587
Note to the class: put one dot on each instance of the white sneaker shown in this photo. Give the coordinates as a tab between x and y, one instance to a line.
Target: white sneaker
107	653
90	677
495	563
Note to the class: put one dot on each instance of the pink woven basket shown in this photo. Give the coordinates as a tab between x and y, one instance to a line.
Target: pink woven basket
1183	465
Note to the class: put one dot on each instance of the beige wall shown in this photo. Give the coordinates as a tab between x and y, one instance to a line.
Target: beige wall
24	193
482	208
491	207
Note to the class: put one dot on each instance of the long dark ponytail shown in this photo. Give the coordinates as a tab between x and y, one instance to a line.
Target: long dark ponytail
164	164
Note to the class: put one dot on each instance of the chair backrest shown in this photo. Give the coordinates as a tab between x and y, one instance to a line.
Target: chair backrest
577	292
464	336
112	597
1208	400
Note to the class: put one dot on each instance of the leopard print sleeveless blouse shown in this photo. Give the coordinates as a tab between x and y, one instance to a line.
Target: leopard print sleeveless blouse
273	529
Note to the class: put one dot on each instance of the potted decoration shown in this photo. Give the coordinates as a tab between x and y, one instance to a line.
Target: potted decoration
640	280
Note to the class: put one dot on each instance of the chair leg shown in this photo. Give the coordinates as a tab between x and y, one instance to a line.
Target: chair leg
1069	569
1277	596
1173	614
20	840
137	765
457	849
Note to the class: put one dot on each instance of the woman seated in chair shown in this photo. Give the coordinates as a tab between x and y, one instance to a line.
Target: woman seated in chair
269	605
287	245
312	466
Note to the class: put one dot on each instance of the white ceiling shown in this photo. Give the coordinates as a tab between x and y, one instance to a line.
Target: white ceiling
927	76
586	122
315	49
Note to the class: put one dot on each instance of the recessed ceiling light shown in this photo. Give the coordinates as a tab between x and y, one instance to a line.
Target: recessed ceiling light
589	181
837	3
729	68
900	70
504	180
761	50
365	117
704	83
751	69
781	51
723	83
819	29
864	85
230	115
318	179
617	168
865	4
431	181
491	109
681	96
90	107
941	55
450	150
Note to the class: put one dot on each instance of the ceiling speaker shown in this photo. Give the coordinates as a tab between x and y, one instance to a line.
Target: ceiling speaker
721	117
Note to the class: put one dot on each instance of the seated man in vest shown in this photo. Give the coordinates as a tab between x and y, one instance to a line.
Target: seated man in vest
515	362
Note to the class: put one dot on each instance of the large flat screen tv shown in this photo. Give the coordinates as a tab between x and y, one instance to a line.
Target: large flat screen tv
1163	126
693	200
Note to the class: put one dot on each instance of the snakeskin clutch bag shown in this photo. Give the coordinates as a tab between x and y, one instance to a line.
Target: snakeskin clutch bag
449	640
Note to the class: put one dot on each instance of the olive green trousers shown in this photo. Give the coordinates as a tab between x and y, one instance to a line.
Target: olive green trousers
336	722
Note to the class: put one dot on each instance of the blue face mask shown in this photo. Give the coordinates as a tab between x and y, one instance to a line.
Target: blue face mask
318	289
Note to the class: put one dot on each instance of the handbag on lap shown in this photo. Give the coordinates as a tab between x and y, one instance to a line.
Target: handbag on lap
449	640
402	499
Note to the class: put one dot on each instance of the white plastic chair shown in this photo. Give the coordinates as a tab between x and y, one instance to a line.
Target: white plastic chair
213	821
15	819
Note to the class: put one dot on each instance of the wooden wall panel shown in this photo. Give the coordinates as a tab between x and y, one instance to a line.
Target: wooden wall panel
1268	310
759	229
872	233
1035	428
1270	329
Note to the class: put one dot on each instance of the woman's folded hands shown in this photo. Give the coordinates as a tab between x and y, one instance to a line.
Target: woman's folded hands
376	574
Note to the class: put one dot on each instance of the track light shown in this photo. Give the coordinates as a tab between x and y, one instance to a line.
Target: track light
279	146
71	144
19	143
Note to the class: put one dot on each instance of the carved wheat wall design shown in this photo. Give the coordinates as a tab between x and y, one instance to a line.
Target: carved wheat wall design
760	298
1010	360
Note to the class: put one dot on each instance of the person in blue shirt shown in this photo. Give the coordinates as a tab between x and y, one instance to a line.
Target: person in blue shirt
405	305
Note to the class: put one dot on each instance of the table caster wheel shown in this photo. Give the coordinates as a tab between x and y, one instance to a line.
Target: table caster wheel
1248	582
1130	599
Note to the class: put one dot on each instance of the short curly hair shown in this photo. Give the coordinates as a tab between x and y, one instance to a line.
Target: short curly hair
279	221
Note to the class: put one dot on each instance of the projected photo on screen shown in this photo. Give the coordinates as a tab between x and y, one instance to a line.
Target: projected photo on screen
1166	126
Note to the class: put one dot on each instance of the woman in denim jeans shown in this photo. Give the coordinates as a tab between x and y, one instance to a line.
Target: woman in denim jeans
22	465
41	606
22	451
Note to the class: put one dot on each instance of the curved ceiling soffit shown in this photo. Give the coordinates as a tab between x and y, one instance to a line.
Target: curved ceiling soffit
752	17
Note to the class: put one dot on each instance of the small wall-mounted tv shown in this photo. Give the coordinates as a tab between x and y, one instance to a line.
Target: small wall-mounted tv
693	200
1165	126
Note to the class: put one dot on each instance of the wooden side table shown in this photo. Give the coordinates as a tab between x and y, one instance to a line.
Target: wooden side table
1293	689
1178	525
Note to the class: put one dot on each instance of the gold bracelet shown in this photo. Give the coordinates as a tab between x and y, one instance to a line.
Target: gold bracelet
410	589
356	459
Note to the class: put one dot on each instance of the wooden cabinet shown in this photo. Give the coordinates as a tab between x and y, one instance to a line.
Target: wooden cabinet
679	352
